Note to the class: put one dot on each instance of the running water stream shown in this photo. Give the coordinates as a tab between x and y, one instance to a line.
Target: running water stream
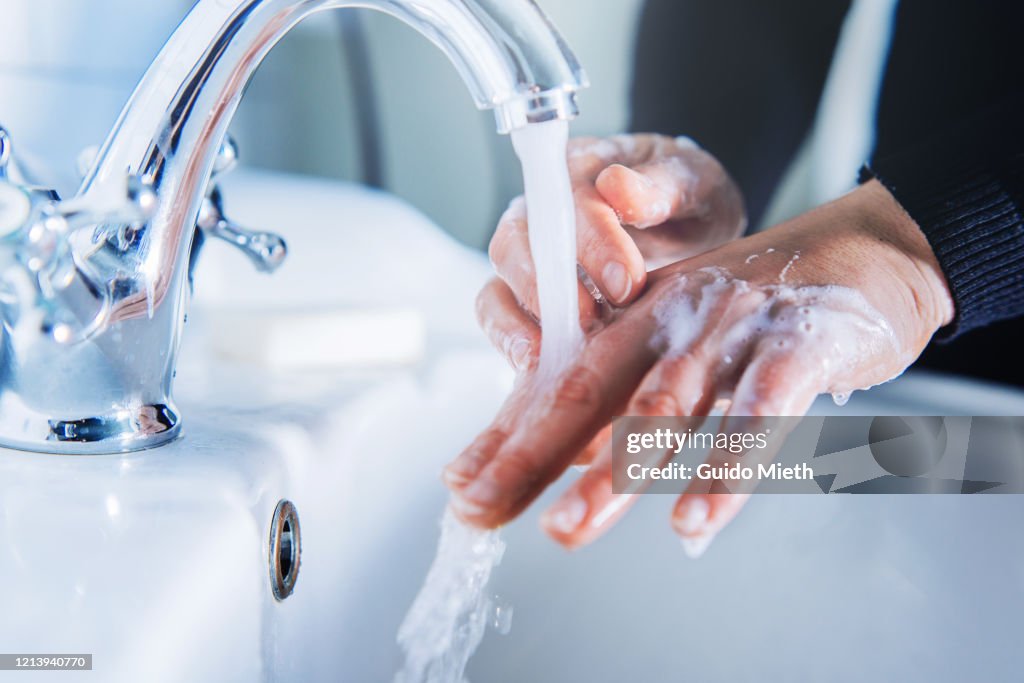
551	216
449	616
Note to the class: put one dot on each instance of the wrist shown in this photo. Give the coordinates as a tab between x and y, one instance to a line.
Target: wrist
897	234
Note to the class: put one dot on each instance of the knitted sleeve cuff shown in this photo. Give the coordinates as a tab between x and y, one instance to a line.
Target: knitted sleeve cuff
968	203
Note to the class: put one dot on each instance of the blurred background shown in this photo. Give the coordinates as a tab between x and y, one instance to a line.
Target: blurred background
358	96
352	95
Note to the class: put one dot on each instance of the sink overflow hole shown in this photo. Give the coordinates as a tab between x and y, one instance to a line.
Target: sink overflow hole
285	549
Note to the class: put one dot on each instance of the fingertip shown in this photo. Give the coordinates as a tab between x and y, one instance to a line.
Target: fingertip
691	520
472	514
567	542
705	514
691	516
453	478
617	177
634	196
494	497
507	326
623	189
563	519
465	468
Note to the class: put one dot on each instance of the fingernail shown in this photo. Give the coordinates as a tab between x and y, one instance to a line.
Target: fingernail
465	508
461	471
519	353
693	516
695	547
566	515
453	477
483	493
617	281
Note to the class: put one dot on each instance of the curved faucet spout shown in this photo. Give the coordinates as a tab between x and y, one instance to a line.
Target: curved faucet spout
89	367
509	55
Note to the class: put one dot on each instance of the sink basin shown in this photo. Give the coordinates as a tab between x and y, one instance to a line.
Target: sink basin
799	588
158	562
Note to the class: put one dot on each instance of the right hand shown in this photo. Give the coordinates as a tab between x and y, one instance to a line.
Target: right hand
642	201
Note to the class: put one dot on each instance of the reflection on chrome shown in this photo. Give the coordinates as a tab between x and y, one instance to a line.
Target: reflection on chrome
94	288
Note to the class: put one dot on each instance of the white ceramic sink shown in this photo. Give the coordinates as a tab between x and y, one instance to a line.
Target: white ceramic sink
157	562
799	588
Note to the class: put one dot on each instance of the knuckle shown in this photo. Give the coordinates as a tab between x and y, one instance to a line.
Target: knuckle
517	470
489	441
657	403
579	387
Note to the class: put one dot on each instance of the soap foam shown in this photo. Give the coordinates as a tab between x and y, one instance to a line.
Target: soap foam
837	320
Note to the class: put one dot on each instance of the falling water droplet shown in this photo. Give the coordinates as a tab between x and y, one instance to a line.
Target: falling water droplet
841	397
502	617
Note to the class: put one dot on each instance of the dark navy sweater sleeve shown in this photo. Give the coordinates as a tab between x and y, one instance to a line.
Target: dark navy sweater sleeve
965	189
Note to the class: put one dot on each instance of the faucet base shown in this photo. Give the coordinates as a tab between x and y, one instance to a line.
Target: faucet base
119	431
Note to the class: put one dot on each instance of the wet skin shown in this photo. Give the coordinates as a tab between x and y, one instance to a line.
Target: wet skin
863	266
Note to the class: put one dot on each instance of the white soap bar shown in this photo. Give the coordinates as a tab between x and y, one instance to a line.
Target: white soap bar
328	338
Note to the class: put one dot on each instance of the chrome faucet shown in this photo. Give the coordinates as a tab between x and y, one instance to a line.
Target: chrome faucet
94	289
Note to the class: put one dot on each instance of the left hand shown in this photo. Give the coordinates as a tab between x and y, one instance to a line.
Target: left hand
843	297
642	201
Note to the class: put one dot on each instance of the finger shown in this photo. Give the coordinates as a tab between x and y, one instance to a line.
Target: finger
545	424
650	194
588	508
674	387
509	252
605	250
508	327
588	156
675	179
775	384
585	458
682	384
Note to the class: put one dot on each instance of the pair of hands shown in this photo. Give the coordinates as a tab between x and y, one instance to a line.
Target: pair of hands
843	297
